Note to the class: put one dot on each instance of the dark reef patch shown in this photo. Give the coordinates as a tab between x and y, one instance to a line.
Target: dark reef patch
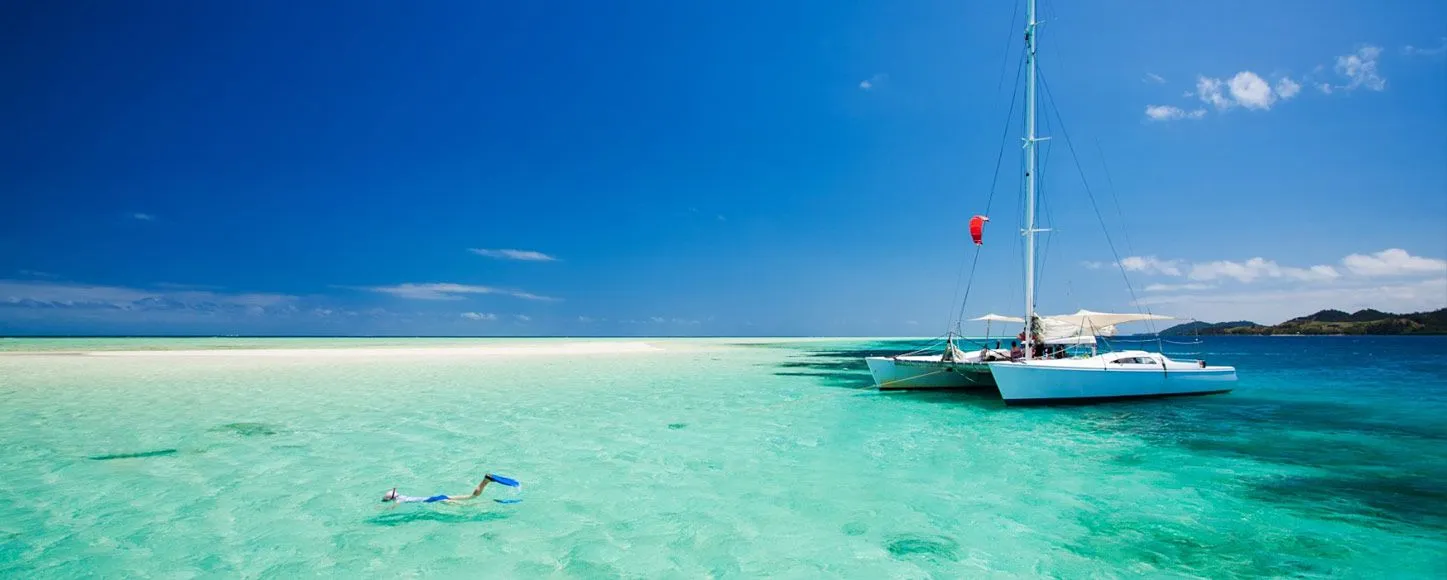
929	547
249	429
137	455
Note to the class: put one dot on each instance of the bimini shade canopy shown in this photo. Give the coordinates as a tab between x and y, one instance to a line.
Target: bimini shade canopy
998	318
1089	321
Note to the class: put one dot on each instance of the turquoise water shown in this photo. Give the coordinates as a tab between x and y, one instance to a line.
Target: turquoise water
710	458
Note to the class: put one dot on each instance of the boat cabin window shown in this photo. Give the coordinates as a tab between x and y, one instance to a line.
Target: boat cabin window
1135	360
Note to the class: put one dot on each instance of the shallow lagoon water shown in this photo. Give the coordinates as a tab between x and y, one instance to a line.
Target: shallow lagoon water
716	457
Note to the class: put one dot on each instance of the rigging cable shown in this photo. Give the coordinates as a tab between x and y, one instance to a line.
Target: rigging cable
1091	195
994	182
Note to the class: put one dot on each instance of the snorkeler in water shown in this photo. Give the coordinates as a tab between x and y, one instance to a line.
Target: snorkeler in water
393	496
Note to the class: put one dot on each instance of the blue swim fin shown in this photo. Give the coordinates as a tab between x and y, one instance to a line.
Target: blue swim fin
503	480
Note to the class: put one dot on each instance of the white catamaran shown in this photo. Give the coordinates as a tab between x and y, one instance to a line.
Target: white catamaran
1029	378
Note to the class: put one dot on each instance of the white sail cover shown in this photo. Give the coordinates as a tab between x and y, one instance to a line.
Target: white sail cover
1083	326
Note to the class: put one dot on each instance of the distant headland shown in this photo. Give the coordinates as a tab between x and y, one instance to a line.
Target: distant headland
1325	322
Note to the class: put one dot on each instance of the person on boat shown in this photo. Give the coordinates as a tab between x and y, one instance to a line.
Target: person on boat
1016	351
393	496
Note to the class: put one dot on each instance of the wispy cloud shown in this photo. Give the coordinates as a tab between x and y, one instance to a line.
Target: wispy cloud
36	274
1169	113
1151	264
873	82
1178	287
1360	69
145	217
1274	305
175	286
449	291
661	320
42	294
1287	88
1392	262
479	316
1256	268
508	254
1153	78
522	317
1438	50
1212	92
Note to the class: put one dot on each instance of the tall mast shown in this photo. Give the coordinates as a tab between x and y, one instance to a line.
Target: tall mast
1030	141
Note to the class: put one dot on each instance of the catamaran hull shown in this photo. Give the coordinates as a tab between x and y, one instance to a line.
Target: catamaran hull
890	373
1024	384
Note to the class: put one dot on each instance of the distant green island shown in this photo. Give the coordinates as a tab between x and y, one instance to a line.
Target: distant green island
1325	322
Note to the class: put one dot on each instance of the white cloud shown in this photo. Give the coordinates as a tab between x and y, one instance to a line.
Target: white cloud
39	294
1251	91
1287	88
1248	90
589	320
145	217
1210	92
1154	79
1438	50
479	316
520	255
873	82
1178	287
522	317
1169	113
1245	89
1273	306
449	291
1093	265
1151	265
661	320
175	286
1393	262
1360	69
1256	268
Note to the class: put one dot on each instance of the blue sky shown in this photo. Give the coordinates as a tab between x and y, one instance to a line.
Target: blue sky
661	168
